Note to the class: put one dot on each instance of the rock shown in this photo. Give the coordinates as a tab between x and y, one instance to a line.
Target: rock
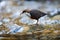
3	4
15	15
14	28
57	17
2	32
47	21
6	20
1	23
56	26
51	9
26	29
26	20
43	20
21	29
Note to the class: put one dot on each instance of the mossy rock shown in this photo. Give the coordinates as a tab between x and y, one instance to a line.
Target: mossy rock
57	17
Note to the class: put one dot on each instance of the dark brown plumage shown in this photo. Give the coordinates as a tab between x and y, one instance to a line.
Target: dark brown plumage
35	14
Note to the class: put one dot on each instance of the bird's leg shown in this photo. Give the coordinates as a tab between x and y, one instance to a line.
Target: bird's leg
37	23
37	26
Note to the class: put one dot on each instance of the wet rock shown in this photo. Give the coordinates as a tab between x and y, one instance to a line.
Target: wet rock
56	26
52	11
44	20
1	23
3	4
13	28
15	15
6	20
57	17
2	32
26	20
47	21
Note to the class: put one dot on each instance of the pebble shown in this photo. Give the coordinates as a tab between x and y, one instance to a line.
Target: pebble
6	20
1	23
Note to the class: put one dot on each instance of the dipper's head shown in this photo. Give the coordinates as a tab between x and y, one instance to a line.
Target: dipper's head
26	10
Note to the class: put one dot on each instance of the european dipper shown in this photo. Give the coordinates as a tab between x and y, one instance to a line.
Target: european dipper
35	14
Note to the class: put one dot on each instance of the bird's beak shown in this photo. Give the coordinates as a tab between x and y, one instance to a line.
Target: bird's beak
21	13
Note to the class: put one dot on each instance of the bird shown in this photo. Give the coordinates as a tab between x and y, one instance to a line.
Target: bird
35	14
